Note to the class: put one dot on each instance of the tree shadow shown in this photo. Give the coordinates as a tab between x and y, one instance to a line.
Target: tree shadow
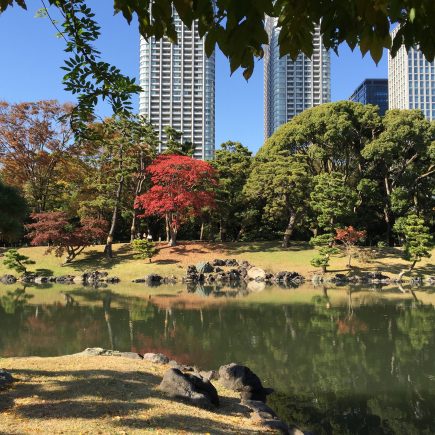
44	272
123	397
272	246
165	262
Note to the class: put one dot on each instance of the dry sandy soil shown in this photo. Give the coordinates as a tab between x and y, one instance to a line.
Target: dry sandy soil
106	395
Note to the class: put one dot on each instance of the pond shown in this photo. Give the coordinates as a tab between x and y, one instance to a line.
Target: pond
341	360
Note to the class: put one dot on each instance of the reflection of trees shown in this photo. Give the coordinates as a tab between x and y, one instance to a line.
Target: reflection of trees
15	300
337	369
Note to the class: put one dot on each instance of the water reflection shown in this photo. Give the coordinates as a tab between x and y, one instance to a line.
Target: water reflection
350	360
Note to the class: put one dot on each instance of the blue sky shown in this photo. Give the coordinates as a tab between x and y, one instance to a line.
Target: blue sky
31	56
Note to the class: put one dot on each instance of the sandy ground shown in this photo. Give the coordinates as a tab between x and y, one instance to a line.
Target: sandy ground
106	395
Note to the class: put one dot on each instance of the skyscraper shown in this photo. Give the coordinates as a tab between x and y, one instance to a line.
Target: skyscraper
178	82
372	91
290	86
411	81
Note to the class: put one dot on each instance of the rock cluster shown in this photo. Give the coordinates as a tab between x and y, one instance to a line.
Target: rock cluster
94	278
212	272
195	387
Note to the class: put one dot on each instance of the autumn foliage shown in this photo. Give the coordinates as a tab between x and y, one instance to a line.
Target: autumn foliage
349	237
182	188
63	236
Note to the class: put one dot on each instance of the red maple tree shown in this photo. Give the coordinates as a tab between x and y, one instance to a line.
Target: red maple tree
349	237
182	188
64	236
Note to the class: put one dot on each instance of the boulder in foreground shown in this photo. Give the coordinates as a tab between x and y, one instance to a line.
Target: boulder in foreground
189	387
240	378
6	379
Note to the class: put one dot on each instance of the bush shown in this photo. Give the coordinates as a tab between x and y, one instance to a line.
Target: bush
144	249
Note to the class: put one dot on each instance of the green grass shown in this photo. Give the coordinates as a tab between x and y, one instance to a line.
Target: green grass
173	261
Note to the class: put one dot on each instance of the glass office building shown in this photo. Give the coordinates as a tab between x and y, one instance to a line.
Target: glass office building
290	86
411	82
372	91
178	82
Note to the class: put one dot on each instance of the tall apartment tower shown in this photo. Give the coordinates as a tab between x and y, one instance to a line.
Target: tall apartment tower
290	86
411	81
178	82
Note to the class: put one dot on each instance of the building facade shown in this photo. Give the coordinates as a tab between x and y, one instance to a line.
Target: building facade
178	82
411	81
290	86
372	91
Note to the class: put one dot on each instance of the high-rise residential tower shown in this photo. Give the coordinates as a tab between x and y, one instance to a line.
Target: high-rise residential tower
290	86
178	82
372	91
411	81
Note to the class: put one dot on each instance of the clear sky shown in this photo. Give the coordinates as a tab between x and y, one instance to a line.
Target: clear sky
31	57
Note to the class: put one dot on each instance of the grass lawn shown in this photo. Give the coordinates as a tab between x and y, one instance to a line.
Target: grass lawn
115	395
173	261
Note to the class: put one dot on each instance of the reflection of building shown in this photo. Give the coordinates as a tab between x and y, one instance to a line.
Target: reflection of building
411	81
178	82
290	87
372	91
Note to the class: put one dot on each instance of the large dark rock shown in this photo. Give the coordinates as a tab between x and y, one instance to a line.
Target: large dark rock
204	267
240	378
190	387
8	279
153	278
217	262
6	379
231	262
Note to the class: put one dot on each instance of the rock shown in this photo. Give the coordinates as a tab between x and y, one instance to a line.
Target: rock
240	378
431	279
28	278
190	387
218	269
41	280
218	262
182	367
231	263
204	267
6	379
153	279
112	280
289	277
317	279
8	279
256	274
99	351
245	264
257	406
156	358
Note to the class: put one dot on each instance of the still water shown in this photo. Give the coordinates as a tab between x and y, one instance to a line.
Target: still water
342	360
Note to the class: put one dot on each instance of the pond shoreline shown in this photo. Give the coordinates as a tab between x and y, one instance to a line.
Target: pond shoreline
250	413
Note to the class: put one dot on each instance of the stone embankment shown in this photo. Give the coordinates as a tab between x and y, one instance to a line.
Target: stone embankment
191	385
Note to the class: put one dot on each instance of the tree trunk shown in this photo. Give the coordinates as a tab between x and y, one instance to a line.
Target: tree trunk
201	232
172	233
137	191
108	248
168	231
222	231
289	230
404	271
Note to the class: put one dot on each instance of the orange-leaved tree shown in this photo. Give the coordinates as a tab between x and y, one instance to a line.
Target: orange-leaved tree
182	187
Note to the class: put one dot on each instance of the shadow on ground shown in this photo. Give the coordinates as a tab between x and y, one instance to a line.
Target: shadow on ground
112	398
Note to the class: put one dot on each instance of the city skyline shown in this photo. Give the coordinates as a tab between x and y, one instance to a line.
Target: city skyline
290	87
239	104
